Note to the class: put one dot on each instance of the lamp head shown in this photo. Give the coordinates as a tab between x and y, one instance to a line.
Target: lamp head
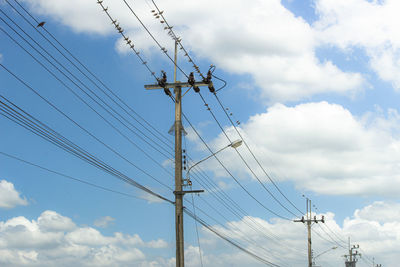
236	143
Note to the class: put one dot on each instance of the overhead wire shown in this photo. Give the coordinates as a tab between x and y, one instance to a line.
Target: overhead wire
69	177
119	99
273	238
27	121
232	242
235	233
177	39
163	49
155	40
253	155
242	158
80	98
93	96
82	128
230	174
40	129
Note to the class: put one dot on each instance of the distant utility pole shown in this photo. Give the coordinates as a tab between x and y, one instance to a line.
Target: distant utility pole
373	263
177	86
351	259
309	220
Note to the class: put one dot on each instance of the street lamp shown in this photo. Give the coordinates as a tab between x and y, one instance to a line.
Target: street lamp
332	248
235	144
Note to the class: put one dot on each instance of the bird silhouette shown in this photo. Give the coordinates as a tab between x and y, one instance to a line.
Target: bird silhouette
40	24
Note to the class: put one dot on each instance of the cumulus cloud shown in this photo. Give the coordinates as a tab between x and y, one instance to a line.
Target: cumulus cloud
55	240
377	236
35	243
321	147
373	27
273	46
9	197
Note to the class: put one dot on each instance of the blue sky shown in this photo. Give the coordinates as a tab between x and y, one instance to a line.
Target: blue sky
314	85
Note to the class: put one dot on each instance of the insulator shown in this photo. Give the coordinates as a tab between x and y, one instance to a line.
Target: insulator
184	168
190	183
157	17
230	114
162	21
209	75
211	88
161	12
184	150
144	62
191	80
196	89
153	11
165	28
167	91
132	46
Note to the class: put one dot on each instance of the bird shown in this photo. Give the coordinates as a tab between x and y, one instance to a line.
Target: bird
40	24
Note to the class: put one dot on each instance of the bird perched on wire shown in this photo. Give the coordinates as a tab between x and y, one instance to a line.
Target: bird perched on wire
40	24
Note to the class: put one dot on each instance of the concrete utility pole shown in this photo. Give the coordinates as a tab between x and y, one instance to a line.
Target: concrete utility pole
309	220
179	193
351	259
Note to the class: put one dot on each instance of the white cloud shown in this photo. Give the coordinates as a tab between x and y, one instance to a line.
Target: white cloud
377	236
54	240
321	147
9	197
26	243
370	25
262	39
104	221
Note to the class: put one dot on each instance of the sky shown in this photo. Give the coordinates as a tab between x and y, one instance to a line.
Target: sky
311	88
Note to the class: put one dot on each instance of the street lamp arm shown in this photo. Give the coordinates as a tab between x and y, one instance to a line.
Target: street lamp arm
235	144
206	158
325	252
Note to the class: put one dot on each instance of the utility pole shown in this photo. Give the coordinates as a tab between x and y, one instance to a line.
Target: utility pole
373	263
309	220
351	259
179	193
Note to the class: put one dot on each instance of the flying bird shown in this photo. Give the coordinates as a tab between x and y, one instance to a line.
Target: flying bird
40	24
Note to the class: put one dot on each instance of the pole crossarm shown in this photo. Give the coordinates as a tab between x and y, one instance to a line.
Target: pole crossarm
176	84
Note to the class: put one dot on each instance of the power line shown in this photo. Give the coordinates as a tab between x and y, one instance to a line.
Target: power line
70	177
255	158
230	174
197	69
209	227
153	129
82	128
155	40
27	121
242	158
94	97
